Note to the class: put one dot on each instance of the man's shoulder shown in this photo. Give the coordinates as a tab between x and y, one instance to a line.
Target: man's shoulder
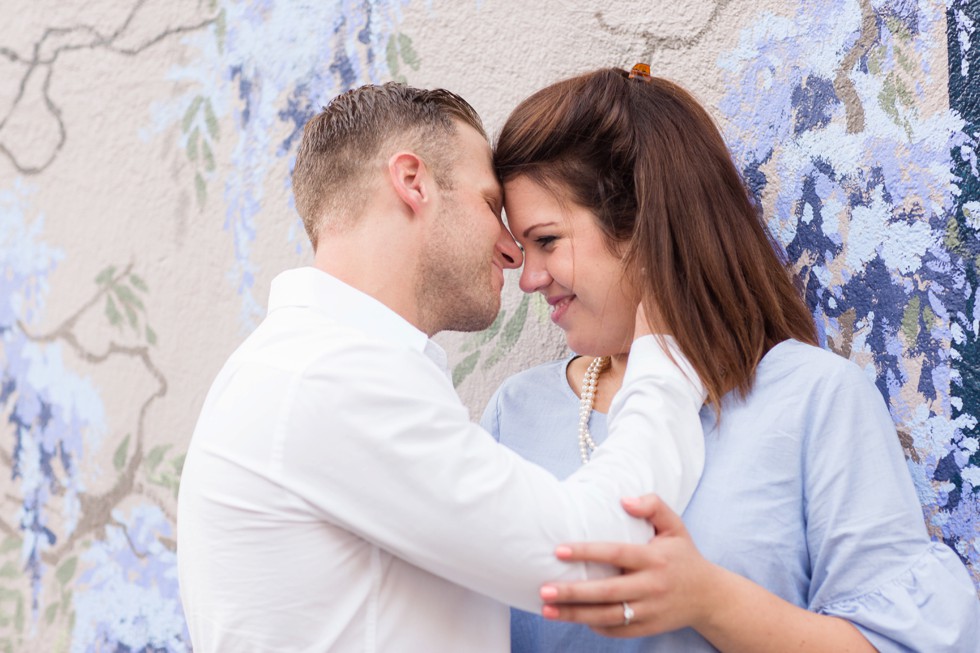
299	339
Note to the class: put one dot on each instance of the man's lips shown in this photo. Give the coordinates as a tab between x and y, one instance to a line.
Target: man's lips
559	304
499	274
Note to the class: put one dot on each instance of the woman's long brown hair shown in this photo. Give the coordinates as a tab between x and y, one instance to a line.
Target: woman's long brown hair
651	165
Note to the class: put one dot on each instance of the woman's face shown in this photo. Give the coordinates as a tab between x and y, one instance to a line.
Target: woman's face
566	260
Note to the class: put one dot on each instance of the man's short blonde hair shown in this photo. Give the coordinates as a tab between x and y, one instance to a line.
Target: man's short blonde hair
342	142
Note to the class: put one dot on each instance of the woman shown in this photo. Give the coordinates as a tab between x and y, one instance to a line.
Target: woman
805	532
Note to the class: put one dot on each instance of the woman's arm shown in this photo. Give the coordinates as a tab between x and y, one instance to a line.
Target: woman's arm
669	585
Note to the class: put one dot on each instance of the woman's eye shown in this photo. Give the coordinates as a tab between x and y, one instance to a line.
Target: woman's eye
544	241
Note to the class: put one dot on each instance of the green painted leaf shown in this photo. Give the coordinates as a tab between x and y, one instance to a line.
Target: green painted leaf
67	570
208	156
898	28
178	463
122	453
874	61
9	570
391	56
952	239
465	368
201	188
128	297
51	612
151	336
131	316
137	282
220	29
156	455
511	333
192	144
905	62
910	320
106	275
541	308
112	312
165	480
190	113
409	56
11	543
211	121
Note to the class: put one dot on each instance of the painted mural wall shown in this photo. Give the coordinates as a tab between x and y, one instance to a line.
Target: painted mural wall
145	151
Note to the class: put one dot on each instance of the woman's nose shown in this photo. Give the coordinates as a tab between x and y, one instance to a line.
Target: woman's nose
534	276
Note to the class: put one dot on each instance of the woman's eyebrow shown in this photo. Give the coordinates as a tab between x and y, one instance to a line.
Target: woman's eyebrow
536	226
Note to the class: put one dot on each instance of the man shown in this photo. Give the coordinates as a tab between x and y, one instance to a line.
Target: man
336	496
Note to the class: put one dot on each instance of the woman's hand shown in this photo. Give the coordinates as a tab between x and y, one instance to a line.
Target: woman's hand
667	583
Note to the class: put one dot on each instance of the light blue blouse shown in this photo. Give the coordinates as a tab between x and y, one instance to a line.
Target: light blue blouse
805	491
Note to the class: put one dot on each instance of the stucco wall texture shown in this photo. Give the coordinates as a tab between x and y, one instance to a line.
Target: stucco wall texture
145	151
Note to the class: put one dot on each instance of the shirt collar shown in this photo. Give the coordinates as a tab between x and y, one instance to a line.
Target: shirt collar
312	288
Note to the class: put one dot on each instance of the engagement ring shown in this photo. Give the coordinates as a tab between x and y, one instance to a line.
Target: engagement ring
627	614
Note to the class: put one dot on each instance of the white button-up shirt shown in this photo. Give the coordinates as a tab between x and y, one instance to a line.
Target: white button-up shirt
336	496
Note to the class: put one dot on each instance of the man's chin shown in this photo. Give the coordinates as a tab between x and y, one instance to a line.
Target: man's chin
477	320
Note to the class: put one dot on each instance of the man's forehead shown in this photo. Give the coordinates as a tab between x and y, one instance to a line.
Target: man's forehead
475	154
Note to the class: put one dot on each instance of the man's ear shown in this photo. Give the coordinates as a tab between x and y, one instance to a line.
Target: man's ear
411	180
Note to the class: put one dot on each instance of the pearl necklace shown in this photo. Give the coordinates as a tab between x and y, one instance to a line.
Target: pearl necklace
589	382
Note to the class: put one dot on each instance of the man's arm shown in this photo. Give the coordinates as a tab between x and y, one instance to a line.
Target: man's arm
398	462
669	585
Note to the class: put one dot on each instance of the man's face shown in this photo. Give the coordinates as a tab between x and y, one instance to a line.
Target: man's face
461	270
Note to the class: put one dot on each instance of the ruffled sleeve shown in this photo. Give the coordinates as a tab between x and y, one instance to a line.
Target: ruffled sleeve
931	606
872	560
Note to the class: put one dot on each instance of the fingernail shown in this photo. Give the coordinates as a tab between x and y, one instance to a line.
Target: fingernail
563	551
629	502
549	593
549	612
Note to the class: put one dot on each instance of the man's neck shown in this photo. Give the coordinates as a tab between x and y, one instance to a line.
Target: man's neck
386	273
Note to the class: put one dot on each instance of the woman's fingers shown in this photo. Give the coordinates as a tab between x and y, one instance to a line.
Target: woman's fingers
607	590
663	581
610	615
652	508
635	629
617	554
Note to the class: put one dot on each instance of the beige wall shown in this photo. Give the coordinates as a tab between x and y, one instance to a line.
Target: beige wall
156	138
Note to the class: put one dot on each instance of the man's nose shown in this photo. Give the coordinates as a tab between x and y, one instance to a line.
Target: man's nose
509	250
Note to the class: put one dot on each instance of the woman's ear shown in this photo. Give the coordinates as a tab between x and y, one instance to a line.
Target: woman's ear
410	179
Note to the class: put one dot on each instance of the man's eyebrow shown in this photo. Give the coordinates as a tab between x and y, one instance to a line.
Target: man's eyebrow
535	226
496	195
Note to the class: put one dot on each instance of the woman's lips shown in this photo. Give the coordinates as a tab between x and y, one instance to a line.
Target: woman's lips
559	305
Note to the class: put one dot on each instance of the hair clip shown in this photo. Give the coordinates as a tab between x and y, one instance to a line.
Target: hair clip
641	71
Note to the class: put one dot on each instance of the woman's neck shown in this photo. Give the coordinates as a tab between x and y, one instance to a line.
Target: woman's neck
609	381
